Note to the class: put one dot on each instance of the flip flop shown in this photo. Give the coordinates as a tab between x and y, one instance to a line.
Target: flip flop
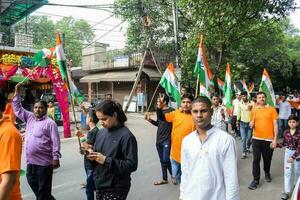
160	182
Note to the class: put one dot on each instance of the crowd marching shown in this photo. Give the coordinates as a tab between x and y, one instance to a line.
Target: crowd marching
196	145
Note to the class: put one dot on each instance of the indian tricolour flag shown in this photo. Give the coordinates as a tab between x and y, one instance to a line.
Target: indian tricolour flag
169	82
228	88
245	88
220	84
202	70
60	57
77	96
251	87
266	86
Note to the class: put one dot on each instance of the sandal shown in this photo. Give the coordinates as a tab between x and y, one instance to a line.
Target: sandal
162	182
174	181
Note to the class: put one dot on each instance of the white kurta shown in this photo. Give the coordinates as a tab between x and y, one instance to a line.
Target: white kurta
209	169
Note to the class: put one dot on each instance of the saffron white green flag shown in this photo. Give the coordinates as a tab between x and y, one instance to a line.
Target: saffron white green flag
169	83
202	70
220	85
245	88
61	57
228	88
266	87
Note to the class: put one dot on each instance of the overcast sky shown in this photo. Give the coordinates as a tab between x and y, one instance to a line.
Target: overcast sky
117	37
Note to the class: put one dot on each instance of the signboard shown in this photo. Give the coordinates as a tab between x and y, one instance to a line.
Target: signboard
121	61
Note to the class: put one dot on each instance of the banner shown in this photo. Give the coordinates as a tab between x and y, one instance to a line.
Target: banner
61	92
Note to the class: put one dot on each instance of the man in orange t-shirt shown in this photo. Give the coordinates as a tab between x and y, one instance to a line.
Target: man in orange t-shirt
10	156
182	125
265	129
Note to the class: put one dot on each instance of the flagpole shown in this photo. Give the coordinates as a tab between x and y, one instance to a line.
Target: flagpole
197	86
152	98
68	88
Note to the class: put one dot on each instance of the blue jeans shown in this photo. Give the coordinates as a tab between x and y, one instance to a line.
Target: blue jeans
90	184
245	135
163	150
282	124
176	170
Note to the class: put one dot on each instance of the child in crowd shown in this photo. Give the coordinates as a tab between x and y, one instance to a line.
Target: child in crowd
51	110
291	141
87	144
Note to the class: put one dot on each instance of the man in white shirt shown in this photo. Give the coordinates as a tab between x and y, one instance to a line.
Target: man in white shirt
219	116
235	105
285	110
208	159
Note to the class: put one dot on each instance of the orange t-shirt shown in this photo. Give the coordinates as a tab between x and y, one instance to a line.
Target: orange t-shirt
10	154
263	118
182	125
9	112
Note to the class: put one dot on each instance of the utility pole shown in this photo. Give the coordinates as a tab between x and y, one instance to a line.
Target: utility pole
175	25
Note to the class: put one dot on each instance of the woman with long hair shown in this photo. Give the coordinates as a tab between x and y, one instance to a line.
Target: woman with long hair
114	152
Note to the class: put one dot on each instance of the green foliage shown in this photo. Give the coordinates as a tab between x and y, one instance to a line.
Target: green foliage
250	35
76	32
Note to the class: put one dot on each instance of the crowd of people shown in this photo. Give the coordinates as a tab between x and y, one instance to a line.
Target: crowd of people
196	145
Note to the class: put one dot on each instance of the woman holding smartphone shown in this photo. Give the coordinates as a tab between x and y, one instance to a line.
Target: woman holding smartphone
114	153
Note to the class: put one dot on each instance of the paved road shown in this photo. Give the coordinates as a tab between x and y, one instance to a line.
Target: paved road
67	179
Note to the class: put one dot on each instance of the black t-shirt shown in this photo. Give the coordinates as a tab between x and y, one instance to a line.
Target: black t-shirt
120	148
91	137
164	128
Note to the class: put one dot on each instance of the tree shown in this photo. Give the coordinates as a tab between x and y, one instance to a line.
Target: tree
247	34
77	32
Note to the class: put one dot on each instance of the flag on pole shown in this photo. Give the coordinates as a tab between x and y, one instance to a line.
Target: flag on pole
227	88
245	88
266	87
251	87
61	57
77	96
169	83
202	70
220	85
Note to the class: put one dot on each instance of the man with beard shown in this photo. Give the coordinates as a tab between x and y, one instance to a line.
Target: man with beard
42	146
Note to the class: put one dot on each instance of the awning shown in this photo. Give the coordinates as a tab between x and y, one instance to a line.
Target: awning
120	76
13	11
153	74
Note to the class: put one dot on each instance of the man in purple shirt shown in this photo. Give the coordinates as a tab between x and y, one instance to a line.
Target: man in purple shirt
42	146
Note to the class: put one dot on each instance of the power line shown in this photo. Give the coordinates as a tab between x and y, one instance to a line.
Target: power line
96	23
103	20
104	34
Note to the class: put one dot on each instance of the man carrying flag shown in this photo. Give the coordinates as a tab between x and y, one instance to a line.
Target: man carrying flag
203	72
265	129
181	119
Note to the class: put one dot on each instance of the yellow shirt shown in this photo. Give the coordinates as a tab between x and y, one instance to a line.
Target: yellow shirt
51	113
182	125
244	112
263	118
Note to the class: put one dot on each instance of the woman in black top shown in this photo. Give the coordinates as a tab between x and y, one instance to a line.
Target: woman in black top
115	153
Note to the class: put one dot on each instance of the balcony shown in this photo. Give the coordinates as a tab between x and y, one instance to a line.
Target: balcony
116	59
